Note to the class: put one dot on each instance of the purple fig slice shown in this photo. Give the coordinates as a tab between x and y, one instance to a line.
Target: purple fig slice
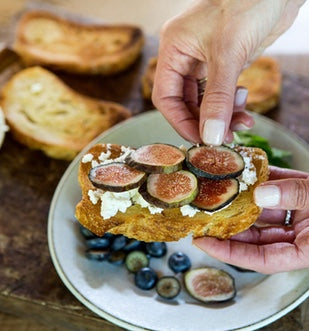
215	194
170	190
214	162
156	158
210	284
116	177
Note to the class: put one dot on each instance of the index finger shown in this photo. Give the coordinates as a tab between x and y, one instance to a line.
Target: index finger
168	97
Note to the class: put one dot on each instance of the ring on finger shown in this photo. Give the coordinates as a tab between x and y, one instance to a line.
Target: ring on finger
288	218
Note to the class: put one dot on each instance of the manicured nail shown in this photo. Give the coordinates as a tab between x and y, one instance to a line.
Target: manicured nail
267	196
240	96
240	127
213	132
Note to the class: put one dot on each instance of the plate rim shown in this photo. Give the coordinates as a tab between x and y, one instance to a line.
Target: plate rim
101	313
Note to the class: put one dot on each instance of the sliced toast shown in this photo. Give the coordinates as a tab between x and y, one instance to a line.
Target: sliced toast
262	79
169	225
44	113
43	38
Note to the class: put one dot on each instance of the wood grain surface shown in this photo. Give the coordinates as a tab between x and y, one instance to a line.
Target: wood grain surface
30	288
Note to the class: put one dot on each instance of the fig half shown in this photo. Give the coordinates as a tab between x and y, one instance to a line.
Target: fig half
116	177
210	284
214	162
170	190
215	194
156	158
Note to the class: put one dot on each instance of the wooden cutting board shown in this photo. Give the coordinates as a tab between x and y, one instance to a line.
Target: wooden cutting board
29	284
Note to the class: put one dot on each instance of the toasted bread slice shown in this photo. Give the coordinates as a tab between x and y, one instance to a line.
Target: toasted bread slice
262	79
42	38
44	113
169	225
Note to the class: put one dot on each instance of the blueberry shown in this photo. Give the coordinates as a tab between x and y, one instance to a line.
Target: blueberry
156	249
179	262
97	254
133	245
98	242
87	234
117	257
146	278
119	243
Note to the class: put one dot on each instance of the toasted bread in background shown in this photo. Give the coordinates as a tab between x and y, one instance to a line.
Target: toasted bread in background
44	113
43	38
262	79
170	225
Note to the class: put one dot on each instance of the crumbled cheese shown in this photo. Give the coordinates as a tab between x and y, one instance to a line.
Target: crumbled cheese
188	210
36	88
248	176
87	158
139	200
104	156
112	202
94	196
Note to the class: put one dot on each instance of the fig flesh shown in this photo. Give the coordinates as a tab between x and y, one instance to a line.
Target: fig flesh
210	284
156	158
215	194
214	162
170	190
116	177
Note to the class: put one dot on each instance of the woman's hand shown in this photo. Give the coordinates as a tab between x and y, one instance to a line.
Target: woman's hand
214	39
270	246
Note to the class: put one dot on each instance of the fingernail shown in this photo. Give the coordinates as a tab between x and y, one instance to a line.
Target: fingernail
240	127
240	96
213	132
267	196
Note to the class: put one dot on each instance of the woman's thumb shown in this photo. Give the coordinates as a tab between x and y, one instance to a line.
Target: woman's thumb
292	193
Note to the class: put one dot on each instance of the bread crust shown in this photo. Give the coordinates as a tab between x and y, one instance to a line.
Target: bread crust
44	113
262	79
137	222
43	38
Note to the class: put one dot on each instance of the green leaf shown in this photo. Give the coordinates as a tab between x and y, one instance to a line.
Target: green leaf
276	156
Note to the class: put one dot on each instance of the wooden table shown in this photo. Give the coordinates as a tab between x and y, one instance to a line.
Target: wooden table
30	288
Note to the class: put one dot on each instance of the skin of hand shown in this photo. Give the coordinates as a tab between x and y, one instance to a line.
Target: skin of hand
214	39
269	246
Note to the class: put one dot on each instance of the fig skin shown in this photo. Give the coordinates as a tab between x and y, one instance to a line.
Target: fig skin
211	172
234	191
157	168
193	274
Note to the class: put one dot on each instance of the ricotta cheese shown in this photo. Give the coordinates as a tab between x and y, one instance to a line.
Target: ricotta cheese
248	176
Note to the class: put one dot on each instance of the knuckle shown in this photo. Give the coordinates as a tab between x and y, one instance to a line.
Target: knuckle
301	194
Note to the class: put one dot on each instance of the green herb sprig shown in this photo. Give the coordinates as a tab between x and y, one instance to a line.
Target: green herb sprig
277	157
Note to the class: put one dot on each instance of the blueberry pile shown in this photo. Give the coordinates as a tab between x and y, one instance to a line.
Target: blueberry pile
136	256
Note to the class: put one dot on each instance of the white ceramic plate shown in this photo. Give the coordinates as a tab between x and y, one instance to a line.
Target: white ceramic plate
109	291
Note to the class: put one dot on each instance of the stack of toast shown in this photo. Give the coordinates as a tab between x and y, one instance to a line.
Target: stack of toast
41	110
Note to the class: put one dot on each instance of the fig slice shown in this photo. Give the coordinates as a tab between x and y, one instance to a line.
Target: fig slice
170	190
214	162
215	194
157	158
116	177
210	284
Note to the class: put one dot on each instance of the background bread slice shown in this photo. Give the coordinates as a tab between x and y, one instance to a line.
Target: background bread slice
262	79
42	38
44	113
170	225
